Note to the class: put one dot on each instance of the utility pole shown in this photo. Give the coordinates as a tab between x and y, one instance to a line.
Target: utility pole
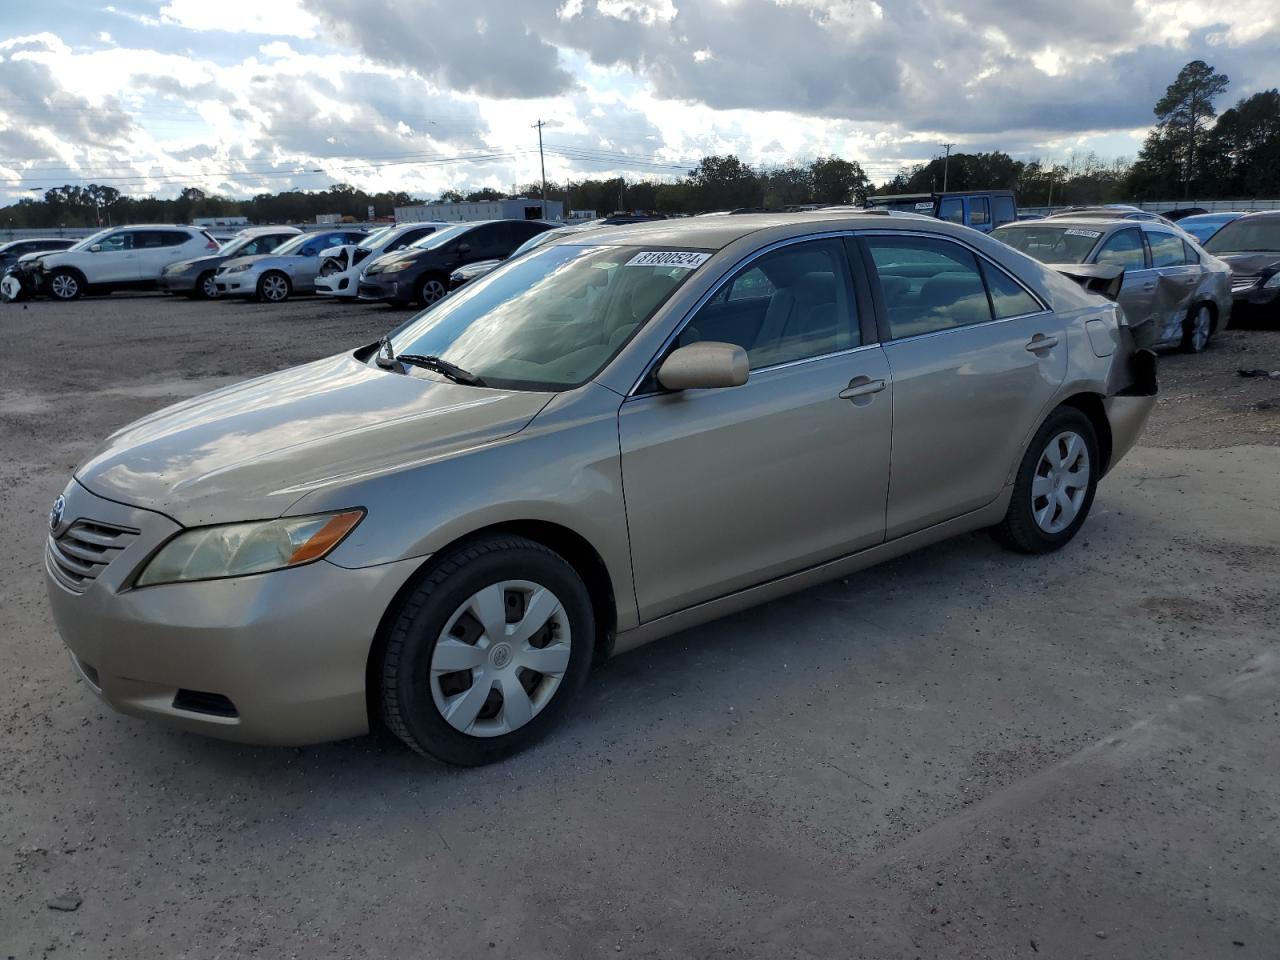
946	165
622	204
1052	177
543	164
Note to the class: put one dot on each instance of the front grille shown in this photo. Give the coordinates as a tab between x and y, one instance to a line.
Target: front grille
77	556
1242	282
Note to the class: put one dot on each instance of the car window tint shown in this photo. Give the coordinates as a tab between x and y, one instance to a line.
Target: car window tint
116	241
1123	249
1166	249
790	304
1189	253
928	284
951	209
1002	210
978	215
1008	298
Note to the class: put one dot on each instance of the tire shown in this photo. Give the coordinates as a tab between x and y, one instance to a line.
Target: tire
274	287
1051	497
64	284
1197	329
206	289
503	577
431	289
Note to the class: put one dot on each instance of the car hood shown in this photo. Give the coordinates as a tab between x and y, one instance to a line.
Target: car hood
251	450
1246	264
197	263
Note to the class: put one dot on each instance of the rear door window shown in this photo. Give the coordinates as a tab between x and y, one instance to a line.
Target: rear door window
1166	249
952	210
979	213
1008	297
928	284
1003	210
1123	249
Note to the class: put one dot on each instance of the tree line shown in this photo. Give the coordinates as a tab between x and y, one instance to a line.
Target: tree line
1192	152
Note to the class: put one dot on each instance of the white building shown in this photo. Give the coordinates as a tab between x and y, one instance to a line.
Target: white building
519	208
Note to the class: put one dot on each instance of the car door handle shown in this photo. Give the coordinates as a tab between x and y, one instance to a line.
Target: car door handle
1041	342
861	387
1149	285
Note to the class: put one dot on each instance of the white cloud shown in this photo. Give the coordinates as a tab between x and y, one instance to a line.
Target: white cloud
284	18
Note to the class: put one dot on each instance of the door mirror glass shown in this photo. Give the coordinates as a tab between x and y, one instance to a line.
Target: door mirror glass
703	366
464	248
96	248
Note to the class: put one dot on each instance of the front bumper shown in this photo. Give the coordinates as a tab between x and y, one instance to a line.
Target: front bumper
176	282
344	284
1256	295
285	651
242	284
378	287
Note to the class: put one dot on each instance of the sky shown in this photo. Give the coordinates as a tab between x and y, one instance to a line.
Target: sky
240	97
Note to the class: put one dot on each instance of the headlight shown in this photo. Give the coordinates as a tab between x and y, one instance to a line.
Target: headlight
239	549
1273	283
397	266
238	268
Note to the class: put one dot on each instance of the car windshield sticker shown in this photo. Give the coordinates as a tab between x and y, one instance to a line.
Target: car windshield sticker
1091	234
683	259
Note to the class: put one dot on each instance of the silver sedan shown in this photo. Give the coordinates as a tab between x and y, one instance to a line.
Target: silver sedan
1174	293
291	268
612	438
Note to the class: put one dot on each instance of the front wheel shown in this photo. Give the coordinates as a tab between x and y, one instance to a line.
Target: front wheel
486	655
1197	329
65	285
1055	484
431	290
274	287
206	288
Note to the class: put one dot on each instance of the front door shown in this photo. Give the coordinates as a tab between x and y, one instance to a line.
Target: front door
730	488
1125	248
114	259
976	359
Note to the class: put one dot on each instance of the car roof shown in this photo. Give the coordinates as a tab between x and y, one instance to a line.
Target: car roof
715	233
1261	214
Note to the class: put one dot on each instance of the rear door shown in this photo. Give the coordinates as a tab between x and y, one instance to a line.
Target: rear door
156	249
730	488
1175	280
976	360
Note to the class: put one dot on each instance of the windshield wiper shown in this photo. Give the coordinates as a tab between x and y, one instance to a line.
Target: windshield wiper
387	359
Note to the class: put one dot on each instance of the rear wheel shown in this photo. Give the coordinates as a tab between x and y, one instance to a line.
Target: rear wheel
430	290
1055	484
1197	329
486	655
274	287
65	285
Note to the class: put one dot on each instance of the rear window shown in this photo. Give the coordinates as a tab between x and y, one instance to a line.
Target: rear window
1247	235
1050	243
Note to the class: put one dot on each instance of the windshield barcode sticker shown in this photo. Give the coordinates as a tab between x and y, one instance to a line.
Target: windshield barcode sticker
686	259
1091	234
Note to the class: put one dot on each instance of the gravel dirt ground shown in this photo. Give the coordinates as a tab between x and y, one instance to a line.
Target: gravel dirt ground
963	754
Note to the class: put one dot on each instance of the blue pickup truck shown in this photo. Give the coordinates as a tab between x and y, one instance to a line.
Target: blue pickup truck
981	209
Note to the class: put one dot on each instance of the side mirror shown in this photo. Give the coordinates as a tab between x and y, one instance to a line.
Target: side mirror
96	248
464	248
704	366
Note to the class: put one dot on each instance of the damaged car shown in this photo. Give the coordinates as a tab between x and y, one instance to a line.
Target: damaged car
613	438
1174	293
195	278
1250	245
341	266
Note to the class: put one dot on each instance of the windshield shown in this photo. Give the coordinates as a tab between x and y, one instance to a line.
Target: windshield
538	239
292	246
441	236
373	239
1049	243
1246	235
550	320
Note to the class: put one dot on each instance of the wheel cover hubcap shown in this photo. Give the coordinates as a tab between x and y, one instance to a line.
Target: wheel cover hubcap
210	287
500	658
64	286
1060	482
432	291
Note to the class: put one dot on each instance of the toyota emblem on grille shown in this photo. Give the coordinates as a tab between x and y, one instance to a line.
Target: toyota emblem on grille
55	515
